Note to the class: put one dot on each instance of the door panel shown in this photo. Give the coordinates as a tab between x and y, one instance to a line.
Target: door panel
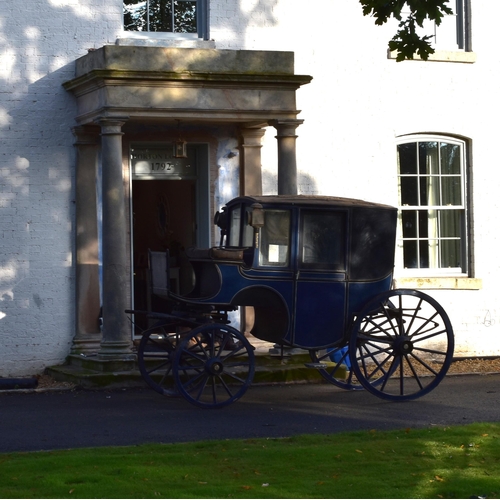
319	312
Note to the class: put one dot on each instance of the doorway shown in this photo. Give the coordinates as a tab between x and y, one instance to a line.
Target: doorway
170	210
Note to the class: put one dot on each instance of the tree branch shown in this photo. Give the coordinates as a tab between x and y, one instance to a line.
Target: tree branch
406	41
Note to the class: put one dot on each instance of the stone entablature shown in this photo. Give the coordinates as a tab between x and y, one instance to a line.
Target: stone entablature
171	83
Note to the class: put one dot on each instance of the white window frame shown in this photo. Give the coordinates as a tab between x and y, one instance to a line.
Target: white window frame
201	23
464	270
453	34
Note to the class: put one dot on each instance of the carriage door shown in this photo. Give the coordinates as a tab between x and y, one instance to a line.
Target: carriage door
169	212
320	278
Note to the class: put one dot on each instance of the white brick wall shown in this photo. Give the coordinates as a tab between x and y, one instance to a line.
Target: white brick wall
357	104
39	41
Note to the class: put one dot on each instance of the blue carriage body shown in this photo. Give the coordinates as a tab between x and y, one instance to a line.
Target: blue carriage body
306	264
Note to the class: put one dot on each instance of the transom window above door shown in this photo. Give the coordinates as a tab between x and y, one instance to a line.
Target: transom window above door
432	206
183	17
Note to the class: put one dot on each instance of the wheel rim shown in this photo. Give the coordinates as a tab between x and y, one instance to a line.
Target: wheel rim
155	359
213	366
337	367
403	344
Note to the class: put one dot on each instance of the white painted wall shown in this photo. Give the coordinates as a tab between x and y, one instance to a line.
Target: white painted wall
39	41
357	104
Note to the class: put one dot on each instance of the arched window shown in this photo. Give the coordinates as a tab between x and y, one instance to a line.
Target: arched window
432	205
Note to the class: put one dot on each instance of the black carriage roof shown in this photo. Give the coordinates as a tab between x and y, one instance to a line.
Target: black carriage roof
310	200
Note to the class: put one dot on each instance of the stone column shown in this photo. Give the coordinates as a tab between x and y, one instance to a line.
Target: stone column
88	335
251	163
250	184
287	158
116	341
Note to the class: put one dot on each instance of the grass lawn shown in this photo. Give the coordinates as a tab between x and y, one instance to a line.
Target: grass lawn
451	462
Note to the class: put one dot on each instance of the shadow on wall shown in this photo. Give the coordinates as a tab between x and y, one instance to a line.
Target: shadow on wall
36	271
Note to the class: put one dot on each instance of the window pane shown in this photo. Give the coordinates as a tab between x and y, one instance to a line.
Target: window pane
410	254
424	221
425	249
134	15
409	191
234	227
428	158
248	231
160	15
429	190
323	240
452	190
450	159
450	223
409	220
450	253
185	16
407	157
275	238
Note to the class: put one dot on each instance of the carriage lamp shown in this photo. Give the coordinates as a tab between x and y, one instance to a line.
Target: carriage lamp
180	149
256	216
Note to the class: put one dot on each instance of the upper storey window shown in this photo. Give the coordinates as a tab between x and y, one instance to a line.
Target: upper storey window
165	16
453	32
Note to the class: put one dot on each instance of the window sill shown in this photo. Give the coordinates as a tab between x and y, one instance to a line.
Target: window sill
153	40
439	283
453	56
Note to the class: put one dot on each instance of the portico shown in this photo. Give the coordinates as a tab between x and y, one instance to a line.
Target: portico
122	91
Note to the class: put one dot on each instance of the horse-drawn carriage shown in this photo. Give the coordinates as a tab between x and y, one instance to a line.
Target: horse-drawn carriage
317	272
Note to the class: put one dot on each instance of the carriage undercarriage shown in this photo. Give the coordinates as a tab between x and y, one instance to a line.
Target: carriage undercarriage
400	348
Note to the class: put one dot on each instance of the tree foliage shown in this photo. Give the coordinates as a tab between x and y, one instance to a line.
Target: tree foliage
410	14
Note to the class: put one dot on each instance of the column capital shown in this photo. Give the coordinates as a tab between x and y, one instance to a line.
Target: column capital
286	127
111	126
252	136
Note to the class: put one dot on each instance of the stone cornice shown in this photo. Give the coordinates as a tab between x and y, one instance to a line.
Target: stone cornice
101	77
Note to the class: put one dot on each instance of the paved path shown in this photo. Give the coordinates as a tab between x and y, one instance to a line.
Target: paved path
51	420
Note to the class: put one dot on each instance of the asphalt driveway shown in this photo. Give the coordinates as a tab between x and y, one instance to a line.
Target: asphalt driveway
58	420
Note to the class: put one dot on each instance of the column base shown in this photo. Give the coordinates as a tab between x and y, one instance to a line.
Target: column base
87	343
115	350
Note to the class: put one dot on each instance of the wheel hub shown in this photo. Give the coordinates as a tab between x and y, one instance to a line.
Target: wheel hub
214	367
403	345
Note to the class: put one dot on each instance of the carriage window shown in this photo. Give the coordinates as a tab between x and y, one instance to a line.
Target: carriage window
322	244
247	230
234	226
275	238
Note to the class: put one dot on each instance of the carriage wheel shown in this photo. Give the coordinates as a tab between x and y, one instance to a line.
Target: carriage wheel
213	366
334	365
401	345
155	357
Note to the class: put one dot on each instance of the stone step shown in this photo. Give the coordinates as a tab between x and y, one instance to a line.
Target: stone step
89	372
